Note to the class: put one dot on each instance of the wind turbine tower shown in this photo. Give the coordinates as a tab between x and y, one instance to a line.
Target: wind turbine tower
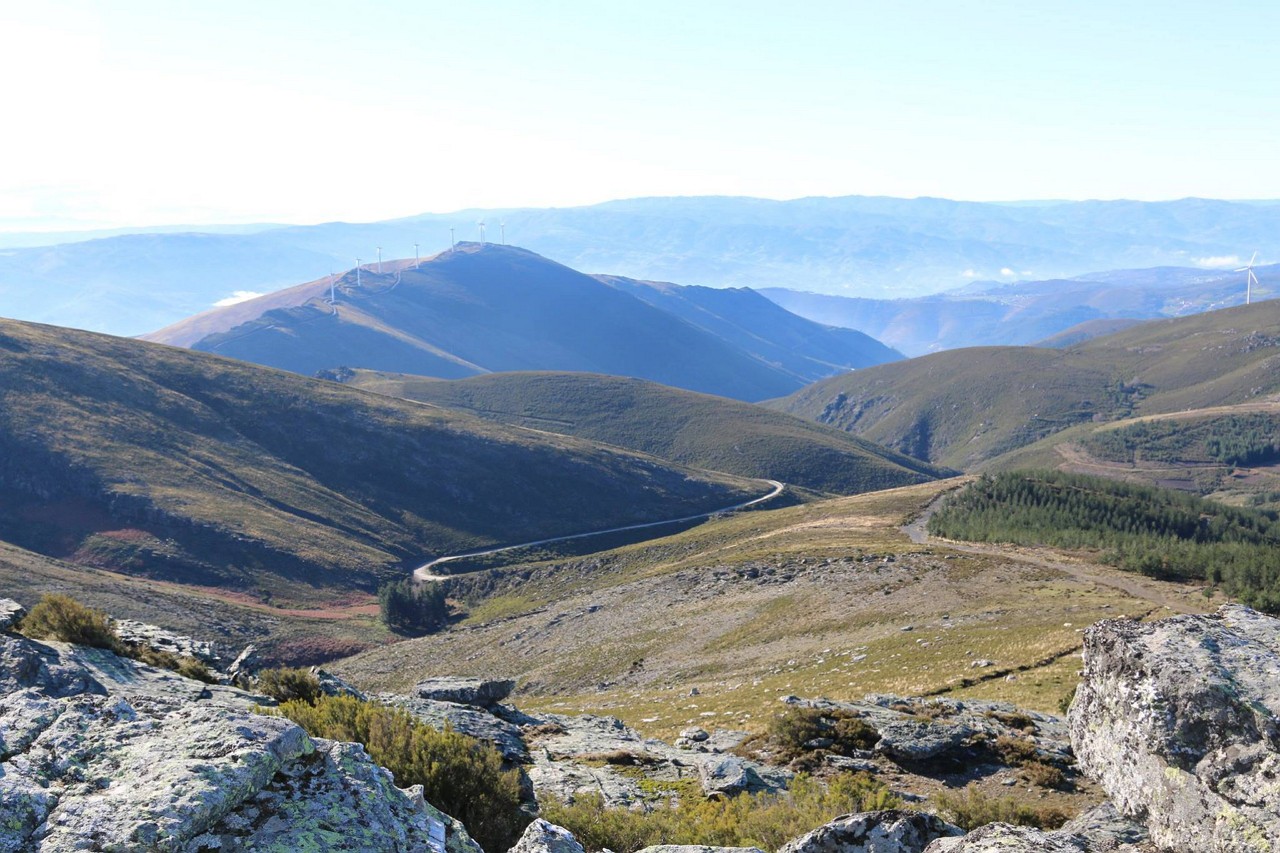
1249	279
379	260
333	279
481	224
357	272
453	244
415	256
503	226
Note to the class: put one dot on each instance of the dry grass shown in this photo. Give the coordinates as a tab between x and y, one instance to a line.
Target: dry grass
810	600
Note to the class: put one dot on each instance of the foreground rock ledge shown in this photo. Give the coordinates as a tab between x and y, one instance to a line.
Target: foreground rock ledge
1177	720
103	753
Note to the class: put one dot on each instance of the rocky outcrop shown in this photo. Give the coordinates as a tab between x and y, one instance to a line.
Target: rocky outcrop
480	692
1177	720
11	613
543	837
889	831
728	775
161	639
922	730
1102	828
1002	838
103	753
468	719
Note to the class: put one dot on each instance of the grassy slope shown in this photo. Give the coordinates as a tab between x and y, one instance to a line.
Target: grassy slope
290	636
135	456
487	308
681	426
808	600
965	407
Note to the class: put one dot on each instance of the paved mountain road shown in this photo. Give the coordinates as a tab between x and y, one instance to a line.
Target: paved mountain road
424	572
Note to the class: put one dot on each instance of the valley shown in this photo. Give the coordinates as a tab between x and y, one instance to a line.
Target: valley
829	598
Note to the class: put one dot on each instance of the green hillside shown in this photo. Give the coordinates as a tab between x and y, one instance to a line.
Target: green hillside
964	408
1157	532
680	426
183	466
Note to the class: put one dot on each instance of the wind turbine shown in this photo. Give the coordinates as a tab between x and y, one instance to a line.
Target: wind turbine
415	256
481	224
453	244
357	272
379	260
503	226
1249	279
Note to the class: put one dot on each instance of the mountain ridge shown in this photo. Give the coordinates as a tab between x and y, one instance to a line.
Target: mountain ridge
486	307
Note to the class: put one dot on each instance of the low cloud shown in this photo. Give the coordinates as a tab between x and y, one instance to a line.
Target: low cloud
970	273
1006	271
237	297
1218	261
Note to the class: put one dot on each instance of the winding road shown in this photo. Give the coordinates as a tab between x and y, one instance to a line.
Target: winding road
424	572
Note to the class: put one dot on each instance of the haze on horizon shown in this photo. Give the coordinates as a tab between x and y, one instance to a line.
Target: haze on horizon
148	113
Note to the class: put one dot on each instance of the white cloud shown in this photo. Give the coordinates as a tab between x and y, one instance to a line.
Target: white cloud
970	273
237	297
1219	261
1006	271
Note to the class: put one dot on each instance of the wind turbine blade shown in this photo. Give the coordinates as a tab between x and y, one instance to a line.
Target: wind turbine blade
1242	269
1254	258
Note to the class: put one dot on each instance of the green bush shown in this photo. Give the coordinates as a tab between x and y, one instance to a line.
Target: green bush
766	821
61	617
288	684
411	608
460	775
973	809
790	732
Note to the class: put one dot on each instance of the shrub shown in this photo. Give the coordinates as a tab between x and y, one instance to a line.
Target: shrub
286	684
791	731
766	821
1044	775
61	617
973	809
411	608
1015	751
460	775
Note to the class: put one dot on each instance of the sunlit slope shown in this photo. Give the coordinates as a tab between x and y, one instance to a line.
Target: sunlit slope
681	426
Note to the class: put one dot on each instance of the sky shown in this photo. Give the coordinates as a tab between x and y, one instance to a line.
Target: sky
135	112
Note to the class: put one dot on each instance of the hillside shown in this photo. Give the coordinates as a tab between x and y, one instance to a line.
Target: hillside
881	248
762	327
681	426
964	408
183	466
1027	312
488	307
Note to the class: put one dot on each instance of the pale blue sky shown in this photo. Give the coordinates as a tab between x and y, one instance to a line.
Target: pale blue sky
136	112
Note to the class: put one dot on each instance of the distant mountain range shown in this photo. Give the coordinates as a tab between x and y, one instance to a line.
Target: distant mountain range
854	246
483	308
1027	312
969	408
680	426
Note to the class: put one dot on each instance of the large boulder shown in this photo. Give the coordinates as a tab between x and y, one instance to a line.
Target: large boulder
103	753
543	837
481	692
890	831
1177	720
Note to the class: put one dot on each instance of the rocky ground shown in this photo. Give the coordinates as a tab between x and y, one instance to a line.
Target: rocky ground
1176	722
